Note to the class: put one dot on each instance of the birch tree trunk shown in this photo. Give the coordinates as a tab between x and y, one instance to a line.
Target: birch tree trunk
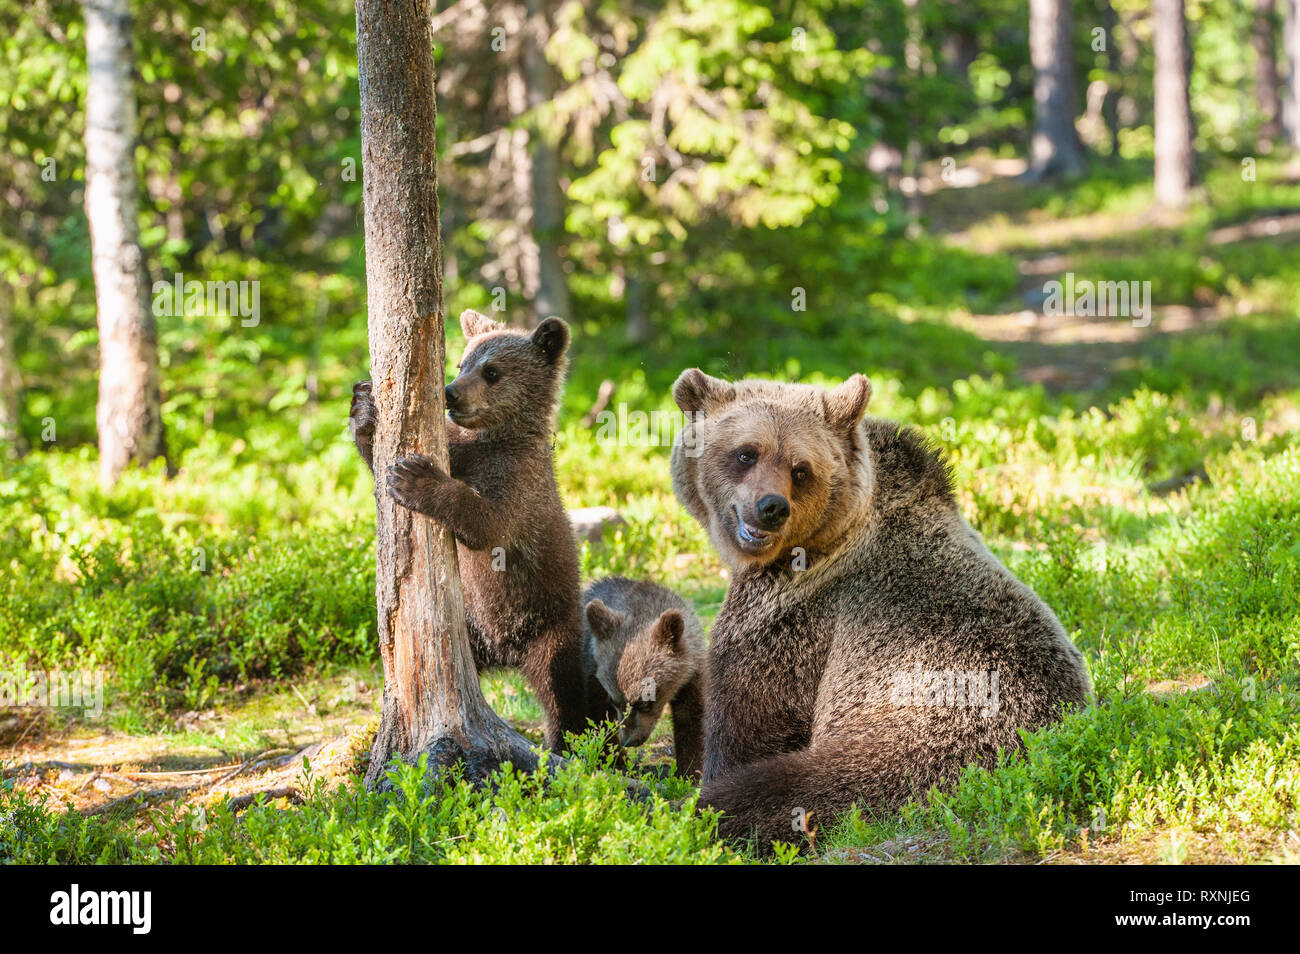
432	700
1175	156
1054	148
129	414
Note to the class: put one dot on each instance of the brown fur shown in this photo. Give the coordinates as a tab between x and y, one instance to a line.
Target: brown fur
644	646
834	662
502	504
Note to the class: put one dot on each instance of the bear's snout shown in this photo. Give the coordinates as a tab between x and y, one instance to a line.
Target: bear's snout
772	511
452	396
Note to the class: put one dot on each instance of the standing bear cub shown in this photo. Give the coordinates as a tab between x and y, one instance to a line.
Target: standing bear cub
644	647
518	560
870	645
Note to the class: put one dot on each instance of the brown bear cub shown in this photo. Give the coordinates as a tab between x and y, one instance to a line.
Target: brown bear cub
870	645
644	646
518	559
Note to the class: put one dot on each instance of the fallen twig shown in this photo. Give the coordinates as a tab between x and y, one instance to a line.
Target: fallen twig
238	804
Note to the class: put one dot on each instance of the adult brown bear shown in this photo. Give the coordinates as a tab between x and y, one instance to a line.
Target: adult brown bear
870	645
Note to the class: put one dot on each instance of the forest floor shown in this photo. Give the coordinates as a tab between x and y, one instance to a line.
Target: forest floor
1142	478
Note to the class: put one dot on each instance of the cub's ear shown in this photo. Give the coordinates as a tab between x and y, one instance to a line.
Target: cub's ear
551	337
669	628
472	323
604	622
845	405
697	393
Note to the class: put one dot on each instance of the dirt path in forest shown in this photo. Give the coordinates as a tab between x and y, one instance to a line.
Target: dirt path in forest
985	208
255	745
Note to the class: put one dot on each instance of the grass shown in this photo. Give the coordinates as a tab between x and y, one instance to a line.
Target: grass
245	588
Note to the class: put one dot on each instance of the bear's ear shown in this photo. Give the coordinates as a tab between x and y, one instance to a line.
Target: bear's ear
472	323
669	628
551	337
697	393
604	622
845	405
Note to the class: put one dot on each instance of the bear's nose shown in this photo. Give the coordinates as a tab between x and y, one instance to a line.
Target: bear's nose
452	397
772	511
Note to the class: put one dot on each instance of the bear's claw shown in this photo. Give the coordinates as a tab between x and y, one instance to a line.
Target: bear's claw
412	477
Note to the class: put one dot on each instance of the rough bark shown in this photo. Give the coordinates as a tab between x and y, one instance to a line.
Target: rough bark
432	700
1054	149
1267	96
10	383
129	415
552	296
1175	157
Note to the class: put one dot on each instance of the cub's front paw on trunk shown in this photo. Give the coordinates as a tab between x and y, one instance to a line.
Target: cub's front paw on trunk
414	481
361	415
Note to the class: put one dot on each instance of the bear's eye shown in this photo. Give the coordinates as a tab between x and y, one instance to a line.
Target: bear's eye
490	374
801	474
746	456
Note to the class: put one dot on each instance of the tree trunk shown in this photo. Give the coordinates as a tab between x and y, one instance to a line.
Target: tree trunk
913	154
637	318
1267	98
1055	149
432	700
129	414
527	255
1110	105
548	198
1175	156
1291	43
10	383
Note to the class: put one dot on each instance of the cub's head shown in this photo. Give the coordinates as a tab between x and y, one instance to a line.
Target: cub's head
507	376
769	467
641	668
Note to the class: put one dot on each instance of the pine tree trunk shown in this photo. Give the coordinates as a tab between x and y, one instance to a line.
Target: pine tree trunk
527	255
432	700
548	198
638	318
1291	44
1055	149
129	414
1267	96
1110	105
1175	156
10	383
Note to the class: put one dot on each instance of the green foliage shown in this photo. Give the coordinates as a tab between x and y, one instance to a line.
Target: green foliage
171	603
577	814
